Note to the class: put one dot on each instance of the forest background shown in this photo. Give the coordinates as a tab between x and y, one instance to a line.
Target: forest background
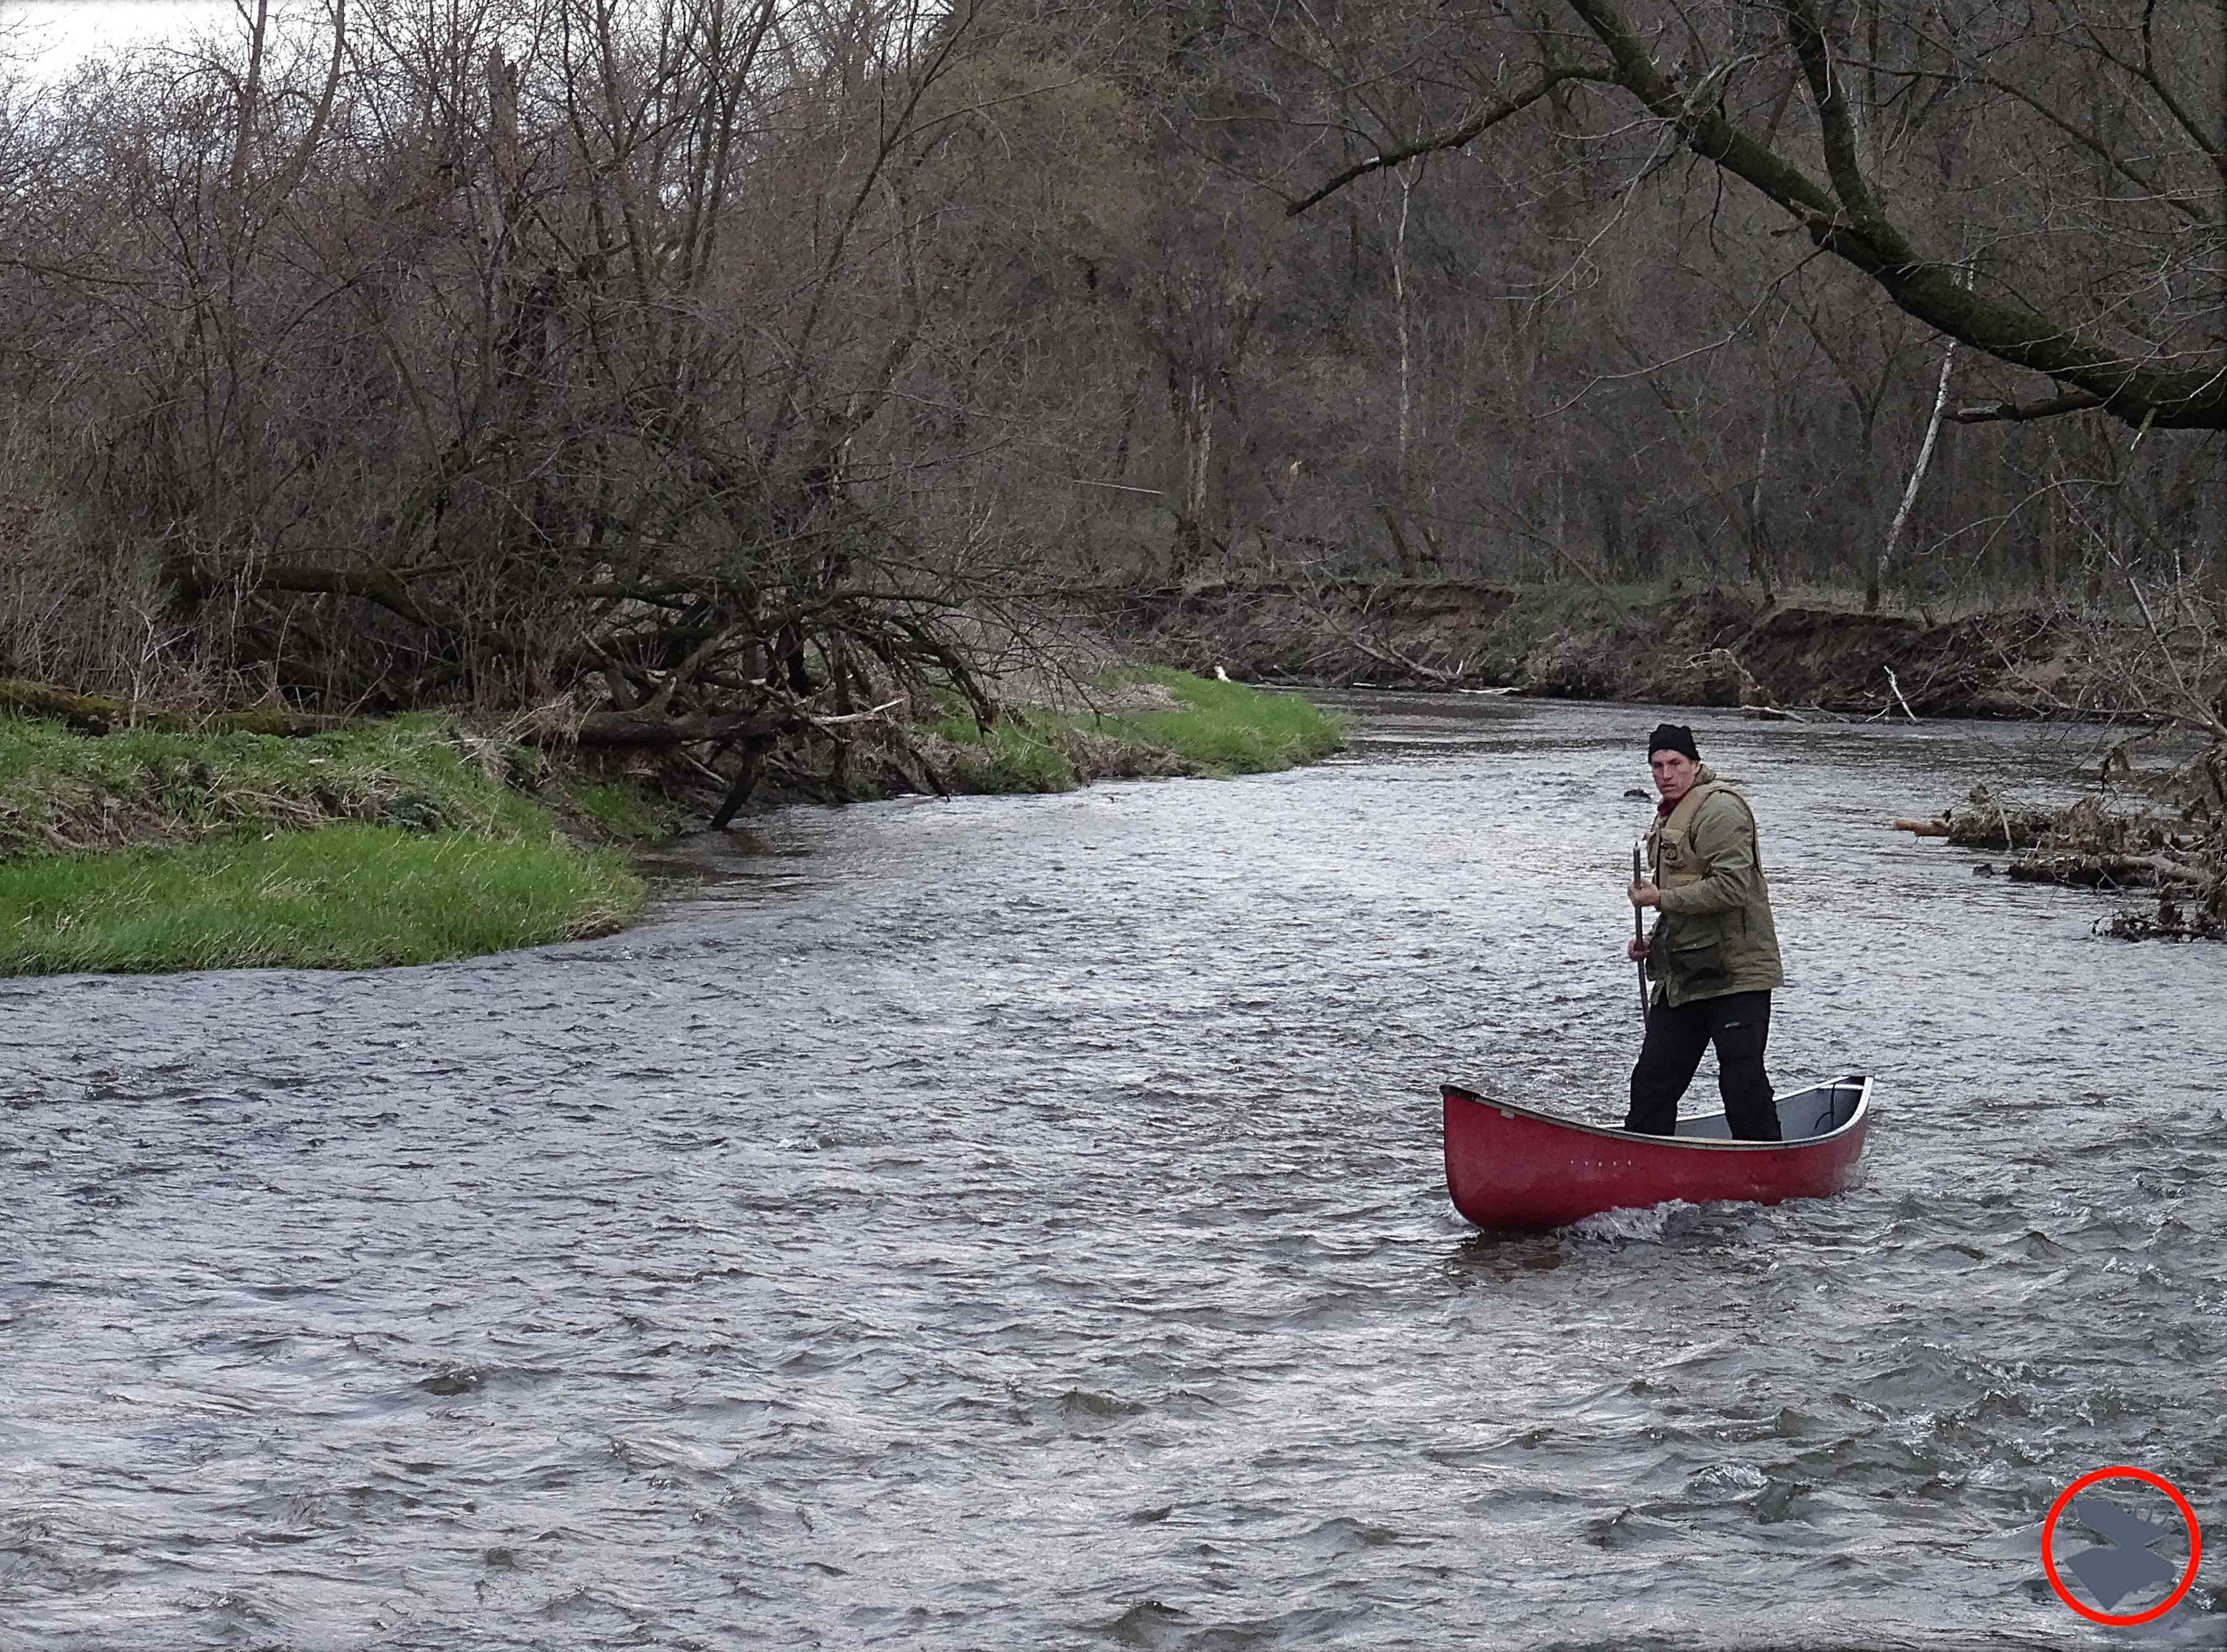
692	377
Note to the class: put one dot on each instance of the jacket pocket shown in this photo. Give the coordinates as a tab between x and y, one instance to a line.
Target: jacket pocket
1693	962
1700	932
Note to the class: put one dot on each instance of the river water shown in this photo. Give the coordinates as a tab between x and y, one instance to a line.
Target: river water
1018	1222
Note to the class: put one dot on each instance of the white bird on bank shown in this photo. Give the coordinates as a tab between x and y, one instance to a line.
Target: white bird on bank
1220	675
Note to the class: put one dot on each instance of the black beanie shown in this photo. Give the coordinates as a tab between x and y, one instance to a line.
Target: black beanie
1672	738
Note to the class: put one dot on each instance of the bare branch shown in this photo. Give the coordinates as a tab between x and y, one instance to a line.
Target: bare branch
2022	412
1484	121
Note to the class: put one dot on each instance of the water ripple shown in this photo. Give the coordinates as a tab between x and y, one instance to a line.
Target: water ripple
1010	1221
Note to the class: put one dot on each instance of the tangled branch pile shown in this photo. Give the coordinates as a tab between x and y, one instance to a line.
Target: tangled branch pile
2174	842
576	363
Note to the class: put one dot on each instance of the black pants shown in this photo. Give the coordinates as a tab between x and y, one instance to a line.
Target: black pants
1740	1025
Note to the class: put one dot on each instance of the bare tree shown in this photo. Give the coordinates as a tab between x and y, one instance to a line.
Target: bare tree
556	355
2131	194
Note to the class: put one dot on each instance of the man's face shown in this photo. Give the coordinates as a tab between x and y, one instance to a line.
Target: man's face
1674	774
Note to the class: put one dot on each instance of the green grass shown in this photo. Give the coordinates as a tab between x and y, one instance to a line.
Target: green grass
1219	728
1229	728
348	896
1022	752
622	813
401	841
59	788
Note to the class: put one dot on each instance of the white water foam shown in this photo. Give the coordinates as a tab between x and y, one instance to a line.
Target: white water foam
1670	1219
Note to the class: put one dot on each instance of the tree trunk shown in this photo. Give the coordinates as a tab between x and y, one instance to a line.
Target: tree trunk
1195	412
1759	536
1885	560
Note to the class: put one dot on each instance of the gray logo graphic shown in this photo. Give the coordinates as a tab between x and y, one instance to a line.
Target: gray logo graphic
2126	1562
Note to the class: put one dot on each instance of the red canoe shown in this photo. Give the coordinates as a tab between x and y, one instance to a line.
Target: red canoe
1509	1166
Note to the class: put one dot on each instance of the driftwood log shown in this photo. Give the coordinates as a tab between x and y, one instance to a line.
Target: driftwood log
2110	871
2179	854
97	714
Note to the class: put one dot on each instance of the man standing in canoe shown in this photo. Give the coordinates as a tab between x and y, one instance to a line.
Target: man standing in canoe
1714	953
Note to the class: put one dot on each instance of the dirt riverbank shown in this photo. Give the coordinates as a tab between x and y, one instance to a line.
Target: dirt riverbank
1690	649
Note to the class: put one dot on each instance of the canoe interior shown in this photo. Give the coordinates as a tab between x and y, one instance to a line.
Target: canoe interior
1818	1111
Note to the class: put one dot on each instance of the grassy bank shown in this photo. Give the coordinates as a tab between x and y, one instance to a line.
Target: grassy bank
61	792
409	840
346	896
1152	722
398	841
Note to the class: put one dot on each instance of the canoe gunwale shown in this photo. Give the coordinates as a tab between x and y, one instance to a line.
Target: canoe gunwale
1703	1144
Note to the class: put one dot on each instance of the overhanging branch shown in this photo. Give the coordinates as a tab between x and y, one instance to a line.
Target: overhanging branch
1857	231
2022	412
1453	138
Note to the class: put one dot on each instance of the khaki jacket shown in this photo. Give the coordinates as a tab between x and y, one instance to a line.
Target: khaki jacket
1715	935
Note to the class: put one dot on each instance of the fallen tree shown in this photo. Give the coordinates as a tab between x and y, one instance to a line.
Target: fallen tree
100	713
2165	833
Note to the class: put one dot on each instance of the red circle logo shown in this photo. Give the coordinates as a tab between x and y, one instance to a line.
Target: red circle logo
2121	1620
